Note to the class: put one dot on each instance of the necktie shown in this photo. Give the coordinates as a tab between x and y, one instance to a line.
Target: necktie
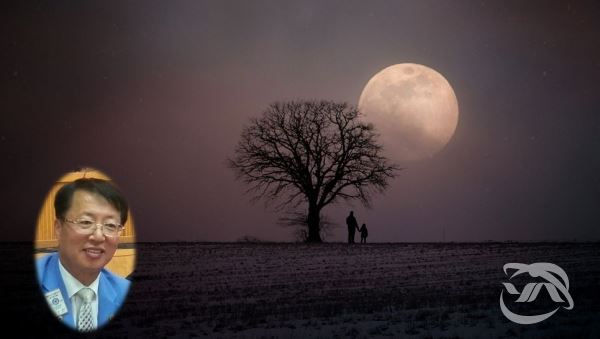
84	317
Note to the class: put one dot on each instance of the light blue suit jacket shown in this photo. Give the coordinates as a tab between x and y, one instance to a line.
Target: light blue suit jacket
112	289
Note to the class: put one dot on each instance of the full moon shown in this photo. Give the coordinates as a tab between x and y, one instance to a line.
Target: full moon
413	108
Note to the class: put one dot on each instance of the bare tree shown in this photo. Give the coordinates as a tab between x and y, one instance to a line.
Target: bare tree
299	222
311	152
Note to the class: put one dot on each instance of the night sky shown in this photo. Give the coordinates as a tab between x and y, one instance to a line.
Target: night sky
155	94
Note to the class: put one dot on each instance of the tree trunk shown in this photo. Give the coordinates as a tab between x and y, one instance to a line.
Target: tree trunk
314	221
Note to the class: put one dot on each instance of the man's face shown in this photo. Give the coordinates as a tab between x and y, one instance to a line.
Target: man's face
85	255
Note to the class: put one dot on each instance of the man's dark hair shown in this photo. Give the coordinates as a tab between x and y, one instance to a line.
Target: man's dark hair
104	188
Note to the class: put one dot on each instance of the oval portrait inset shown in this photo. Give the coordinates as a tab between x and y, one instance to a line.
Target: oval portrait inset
84	249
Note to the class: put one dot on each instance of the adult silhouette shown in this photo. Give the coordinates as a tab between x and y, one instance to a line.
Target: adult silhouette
352	227
364	233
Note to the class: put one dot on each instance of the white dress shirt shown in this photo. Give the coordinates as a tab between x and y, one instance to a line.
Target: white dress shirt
73	286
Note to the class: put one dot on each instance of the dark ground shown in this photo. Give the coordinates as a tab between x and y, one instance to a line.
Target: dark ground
328	290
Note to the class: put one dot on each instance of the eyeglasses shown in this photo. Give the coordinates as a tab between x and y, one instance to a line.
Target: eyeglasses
88	227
